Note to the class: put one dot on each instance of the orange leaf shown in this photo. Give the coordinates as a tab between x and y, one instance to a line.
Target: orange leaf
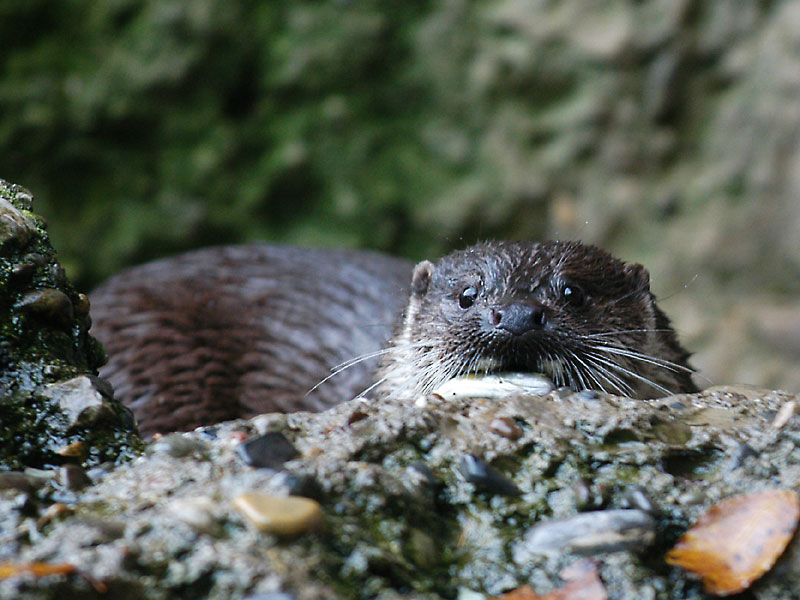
738	540
44	569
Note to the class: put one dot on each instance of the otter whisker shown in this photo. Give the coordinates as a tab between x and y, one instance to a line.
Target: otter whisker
653	360
602	365
358	359
638	377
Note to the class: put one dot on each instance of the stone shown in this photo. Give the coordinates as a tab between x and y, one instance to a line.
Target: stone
486	478
51	304
73	477
289	515
15	225
269	451
81	399
595	532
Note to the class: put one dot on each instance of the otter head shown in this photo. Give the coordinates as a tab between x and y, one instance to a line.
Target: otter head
568	310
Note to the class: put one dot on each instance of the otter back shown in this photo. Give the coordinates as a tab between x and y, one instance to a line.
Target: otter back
230	332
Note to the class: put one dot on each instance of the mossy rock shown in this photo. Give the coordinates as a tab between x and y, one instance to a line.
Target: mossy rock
53	408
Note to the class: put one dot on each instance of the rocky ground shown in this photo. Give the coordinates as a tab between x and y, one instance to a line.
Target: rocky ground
459	498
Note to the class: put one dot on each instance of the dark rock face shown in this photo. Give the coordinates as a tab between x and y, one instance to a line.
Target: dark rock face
53	408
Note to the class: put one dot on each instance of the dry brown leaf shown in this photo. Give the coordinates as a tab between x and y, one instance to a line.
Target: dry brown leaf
738	540
45	569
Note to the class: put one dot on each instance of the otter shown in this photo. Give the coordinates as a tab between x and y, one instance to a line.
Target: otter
568	310
231	332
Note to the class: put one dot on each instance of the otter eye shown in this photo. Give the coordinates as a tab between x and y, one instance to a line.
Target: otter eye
573	294
467	297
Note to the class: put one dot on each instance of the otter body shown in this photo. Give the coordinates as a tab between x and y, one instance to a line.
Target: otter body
231	332
235	331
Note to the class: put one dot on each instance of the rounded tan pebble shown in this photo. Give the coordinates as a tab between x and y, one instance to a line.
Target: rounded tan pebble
281	515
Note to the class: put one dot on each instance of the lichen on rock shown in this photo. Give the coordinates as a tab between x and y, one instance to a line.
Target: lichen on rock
50	397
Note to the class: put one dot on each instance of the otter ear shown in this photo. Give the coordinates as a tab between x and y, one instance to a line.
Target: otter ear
638	275
421	278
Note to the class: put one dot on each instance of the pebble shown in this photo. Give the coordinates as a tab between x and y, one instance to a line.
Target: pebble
636	498
178	445
73	477
197	512
269	451
300	485
14	225
281	515
82	401
50	303
486	478
594	532
506	427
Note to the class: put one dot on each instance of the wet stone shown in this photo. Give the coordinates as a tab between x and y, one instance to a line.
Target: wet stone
49	303
14	224
590	533
290	515
269	451
81	399
486	478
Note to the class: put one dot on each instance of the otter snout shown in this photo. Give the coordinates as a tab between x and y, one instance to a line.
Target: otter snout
518	318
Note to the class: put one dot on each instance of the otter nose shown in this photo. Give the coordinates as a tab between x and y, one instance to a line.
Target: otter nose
518	318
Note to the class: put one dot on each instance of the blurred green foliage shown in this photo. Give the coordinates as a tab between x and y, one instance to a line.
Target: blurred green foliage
147	126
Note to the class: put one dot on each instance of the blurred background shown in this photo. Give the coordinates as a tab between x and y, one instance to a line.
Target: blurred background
667	131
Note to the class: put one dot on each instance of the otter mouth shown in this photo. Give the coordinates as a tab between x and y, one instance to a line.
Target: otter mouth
489	366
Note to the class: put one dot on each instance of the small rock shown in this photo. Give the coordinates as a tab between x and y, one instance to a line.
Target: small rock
590	533
15	225
178	445
419	474
269	451
198	512
289	515
300	485
636	498
486	478
588	395
73	477
49	303
506	427
81	399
